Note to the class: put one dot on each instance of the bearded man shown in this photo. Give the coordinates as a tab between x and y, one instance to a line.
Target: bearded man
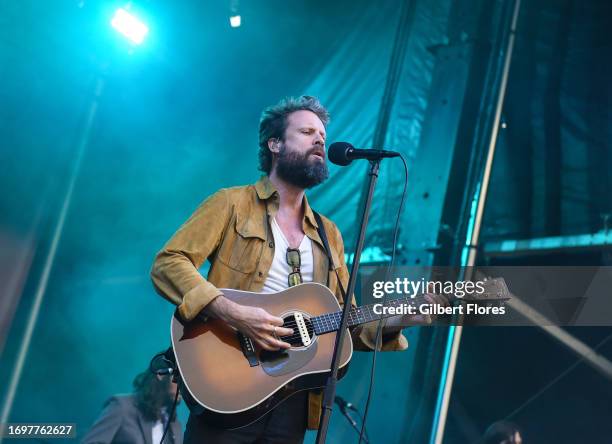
264	238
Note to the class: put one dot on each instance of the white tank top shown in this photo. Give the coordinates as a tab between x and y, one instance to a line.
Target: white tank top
277	279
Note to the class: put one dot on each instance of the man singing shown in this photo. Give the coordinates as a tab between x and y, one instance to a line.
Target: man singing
263	238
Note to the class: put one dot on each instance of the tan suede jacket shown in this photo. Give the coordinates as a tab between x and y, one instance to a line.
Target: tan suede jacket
232	229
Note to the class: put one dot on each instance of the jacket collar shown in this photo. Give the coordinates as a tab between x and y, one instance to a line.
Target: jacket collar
265	189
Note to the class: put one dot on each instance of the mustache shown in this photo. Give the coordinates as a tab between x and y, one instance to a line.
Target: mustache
316	150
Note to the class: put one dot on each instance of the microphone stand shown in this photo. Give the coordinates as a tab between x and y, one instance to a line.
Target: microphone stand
329	392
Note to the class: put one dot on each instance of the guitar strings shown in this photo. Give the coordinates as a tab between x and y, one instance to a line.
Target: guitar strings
295	335
325	323
317	320
418	299
335	319
337	314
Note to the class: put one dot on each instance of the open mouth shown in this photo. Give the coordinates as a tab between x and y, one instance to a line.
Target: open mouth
319	155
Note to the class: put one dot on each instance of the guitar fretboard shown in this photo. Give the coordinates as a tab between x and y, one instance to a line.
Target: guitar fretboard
359	315
494	290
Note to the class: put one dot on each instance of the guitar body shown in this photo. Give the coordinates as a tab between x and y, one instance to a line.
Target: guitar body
230	391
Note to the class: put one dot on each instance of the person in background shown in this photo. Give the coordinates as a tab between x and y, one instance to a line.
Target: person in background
139	417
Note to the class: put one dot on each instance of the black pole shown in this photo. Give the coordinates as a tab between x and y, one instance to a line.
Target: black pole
330	387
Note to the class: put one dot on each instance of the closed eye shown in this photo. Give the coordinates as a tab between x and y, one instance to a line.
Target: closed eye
310	131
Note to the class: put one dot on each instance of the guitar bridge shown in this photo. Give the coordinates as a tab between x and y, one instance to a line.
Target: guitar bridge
248	349
301	325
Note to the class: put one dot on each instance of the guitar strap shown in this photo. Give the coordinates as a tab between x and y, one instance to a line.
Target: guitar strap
332	266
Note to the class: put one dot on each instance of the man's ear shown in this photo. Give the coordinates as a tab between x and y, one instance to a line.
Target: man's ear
274	145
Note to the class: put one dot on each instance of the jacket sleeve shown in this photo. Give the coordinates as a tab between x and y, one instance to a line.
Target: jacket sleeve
175	272
106	426
364	336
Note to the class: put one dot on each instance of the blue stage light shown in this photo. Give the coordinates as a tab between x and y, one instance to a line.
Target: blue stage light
129	26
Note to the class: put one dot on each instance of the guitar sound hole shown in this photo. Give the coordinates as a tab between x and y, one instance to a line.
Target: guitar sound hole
295	339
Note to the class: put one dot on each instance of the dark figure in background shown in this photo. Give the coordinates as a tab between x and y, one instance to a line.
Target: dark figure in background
503	432
140	417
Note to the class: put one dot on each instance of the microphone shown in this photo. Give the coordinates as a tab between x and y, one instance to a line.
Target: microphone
168	367
345	406
343	403
343	153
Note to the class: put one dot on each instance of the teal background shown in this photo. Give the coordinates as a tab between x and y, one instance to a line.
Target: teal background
177	119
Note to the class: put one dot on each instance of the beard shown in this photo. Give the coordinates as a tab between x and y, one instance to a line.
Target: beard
299	169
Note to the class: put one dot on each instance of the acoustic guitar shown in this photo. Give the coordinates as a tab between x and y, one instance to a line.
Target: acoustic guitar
230	382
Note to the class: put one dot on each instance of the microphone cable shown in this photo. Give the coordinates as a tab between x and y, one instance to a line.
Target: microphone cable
384	301
173	410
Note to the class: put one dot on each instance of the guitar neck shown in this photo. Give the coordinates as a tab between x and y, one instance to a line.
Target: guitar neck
490	290
360	315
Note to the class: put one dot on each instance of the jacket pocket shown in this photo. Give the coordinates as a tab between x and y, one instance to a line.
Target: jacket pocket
239	250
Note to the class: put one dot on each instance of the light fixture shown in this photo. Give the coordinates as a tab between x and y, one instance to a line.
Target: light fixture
234	16
235	21
129	26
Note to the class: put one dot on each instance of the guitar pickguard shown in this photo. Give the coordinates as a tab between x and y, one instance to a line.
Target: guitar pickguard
277	363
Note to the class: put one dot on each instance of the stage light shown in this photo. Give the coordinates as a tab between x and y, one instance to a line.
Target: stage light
235	21
129	26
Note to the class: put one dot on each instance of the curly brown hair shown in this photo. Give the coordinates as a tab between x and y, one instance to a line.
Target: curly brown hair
273	123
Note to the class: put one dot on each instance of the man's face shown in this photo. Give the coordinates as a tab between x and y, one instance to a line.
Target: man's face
301	156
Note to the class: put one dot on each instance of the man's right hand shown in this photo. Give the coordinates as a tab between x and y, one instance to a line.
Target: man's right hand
254	322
